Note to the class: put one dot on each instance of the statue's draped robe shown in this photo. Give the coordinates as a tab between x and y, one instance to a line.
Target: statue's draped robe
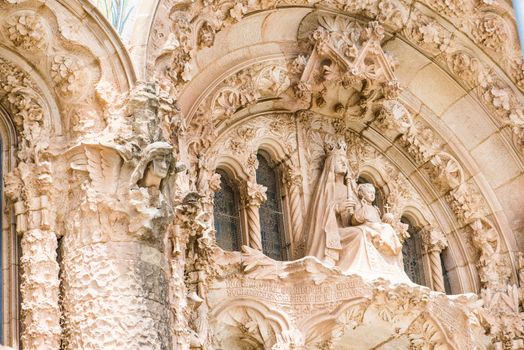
353	248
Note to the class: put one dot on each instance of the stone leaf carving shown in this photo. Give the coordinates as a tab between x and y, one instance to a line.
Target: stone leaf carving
331	308
428	33
434	240
26	30
28	109
349	55
66	73
490	31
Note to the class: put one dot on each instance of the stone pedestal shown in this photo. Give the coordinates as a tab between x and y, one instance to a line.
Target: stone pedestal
305	304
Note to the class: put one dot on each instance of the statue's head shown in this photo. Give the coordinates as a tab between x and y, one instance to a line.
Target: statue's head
338	150
366	191
159	155
160	165
341	164
154	165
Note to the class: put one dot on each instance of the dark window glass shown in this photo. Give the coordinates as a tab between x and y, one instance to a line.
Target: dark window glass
226	215
1	255
445	272
412	255
271	218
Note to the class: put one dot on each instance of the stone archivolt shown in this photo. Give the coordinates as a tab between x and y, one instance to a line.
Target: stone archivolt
122	184
173	55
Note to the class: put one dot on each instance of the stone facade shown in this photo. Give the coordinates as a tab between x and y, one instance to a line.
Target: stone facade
112	148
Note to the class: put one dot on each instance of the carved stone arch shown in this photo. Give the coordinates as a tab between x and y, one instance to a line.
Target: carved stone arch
9	240
77	55
232	167
395	17
427	333
36	88
264	324
273	148
417	215
323	326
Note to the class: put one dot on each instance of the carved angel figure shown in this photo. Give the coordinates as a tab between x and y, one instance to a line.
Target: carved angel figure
154	165
346	230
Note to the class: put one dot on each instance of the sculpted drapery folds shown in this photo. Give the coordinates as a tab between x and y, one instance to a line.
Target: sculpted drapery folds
346	230
125	192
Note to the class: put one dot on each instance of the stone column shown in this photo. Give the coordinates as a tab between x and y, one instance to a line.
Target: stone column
28	187
116	210
434	243
253	197
293	182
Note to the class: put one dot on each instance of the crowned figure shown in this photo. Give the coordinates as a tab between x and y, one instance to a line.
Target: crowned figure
346	230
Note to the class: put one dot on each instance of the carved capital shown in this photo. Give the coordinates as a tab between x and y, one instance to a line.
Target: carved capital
433	239
254	194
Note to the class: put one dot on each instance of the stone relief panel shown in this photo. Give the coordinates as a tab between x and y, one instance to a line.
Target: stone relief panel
489	25
126	182
306	305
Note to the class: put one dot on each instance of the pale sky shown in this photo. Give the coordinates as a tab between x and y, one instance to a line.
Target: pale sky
519	9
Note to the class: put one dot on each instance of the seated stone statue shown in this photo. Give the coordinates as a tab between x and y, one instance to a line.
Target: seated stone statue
348	232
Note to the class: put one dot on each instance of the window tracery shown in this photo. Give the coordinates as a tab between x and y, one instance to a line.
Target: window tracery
226	215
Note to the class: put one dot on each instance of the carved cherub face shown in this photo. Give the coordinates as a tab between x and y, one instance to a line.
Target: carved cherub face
367	192
341	165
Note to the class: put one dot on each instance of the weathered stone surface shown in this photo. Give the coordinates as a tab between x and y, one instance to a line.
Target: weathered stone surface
109	236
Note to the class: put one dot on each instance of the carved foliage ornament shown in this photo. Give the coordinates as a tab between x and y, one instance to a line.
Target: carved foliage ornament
195	25
486	27
26	104
447	172
31	31
26	30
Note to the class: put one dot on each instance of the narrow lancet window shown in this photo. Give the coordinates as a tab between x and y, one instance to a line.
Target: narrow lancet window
445	271
412	255
226	215
271	218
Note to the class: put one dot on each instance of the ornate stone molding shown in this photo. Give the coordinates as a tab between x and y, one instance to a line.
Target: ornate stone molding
304	304
30	186
486	27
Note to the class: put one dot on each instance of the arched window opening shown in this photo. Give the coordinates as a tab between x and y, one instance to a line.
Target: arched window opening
271	217
2	316
9	242
445	271
412	254
379	201
226	215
